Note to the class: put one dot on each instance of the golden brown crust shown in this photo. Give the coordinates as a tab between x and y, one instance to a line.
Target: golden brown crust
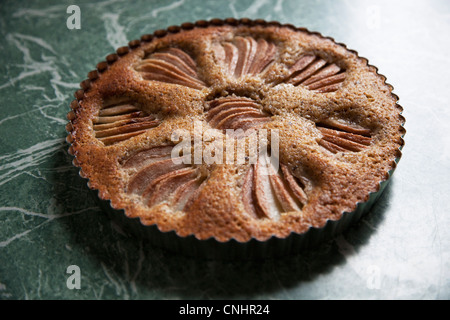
340	128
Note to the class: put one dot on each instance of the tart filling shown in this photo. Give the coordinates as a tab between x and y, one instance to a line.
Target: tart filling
330	128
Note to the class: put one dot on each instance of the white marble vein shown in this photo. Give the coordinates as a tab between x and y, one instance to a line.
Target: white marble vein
149	17
15	163
254	8
118	283
138	270
48	63
103	4
30	66
115	33
169	7
124	283
49	217
39	41
48	12
16	236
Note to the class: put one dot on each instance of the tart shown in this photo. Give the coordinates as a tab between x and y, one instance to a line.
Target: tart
136	119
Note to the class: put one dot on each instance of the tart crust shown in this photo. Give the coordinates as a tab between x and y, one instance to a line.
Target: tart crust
340	129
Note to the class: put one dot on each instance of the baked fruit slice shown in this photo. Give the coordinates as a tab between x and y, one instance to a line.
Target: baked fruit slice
136	121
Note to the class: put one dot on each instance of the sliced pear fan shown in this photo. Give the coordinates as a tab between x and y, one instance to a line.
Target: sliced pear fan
158	177
267	193
316	74
246	56
338	136
236	113
171	66
121	121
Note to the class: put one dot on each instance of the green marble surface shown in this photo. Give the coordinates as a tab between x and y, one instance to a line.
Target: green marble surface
49	220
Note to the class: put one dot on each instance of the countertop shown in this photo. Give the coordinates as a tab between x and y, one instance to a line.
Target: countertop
49	220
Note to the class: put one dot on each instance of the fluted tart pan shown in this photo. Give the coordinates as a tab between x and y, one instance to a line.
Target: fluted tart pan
332	128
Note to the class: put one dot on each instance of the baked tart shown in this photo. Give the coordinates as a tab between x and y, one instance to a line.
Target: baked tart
165	129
